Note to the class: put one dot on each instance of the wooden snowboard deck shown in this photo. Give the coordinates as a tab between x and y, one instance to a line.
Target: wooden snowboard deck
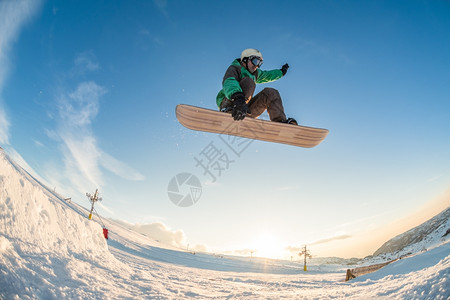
202	119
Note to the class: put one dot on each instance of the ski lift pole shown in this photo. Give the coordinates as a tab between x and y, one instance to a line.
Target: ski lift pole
306	253
90	213
93	198
304	265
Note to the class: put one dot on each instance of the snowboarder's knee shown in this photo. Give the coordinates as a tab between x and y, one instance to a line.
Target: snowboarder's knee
271	93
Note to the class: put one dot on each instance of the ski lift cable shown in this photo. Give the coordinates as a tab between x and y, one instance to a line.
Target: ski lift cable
101	221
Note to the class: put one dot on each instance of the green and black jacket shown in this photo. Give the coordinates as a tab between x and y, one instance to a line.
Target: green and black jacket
234	75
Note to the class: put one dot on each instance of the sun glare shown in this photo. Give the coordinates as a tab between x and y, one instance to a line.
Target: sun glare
267	245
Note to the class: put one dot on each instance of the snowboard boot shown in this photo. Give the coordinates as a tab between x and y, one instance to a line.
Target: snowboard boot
291	121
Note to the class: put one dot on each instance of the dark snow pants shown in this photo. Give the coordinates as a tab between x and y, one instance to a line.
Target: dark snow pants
268	98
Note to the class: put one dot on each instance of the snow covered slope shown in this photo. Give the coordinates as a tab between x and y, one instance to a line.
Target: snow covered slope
46	246
422	237
50	250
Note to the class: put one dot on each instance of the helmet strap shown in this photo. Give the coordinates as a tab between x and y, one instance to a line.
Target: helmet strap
245	61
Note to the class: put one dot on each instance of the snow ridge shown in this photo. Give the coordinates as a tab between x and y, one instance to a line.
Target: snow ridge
426	235
43	241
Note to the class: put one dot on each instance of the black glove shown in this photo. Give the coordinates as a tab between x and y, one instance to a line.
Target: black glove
240	108
284	69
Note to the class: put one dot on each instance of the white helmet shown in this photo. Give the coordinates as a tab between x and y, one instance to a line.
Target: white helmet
251	52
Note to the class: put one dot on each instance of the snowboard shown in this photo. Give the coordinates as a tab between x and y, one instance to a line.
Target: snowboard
202	119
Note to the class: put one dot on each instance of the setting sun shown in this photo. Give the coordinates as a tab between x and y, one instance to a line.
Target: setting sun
267	245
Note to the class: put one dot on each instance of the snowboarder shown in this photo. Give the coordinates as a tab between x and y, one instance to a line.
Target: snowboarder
239	83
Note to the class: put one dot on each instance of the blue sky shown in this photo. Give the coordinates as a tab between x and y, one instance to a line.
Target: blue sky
88	91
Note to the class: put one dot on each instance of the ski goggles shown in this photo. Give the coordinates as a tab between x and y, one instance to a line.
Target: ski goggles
256	61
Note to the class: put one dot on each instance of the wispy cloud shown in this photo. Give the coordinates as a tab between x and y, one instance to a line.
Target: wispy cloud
85	62
293	249
338	236
83	158
158	231
79	108
4	126
146	35
38	143
354	222
162	6
13	16
435	178
119	168
76	111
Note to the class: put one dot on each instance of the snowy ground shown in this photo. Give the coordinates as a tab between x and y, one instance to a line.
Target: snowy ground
50	250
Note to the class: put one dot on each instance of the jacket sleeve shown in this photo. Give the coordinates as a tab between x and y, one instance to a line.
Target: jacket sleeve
268	76
230	82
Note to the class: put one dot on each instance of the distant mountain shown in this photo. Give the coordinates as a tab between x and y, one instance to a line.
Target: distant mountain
419	238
